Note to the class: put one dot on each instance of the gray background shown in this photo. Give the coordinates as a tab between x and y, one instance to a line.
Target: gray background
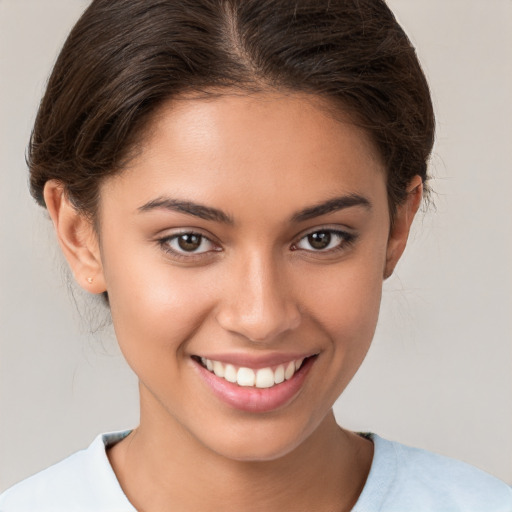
439	373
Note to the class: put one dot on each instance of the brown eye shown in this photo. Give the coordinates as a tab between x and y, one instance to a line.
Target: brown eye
319	240
189	242
325	240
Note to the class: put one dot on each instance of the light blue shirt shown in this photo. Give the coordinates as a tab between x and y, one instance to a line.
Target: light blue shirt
405	479
401	479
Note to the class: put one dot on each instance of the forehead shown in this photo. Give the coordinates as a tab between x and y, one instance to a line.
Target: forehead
290	148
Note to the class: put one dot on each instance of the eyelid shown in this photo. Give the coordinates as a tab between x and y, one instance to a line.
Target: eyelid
163	242
187	230
348	236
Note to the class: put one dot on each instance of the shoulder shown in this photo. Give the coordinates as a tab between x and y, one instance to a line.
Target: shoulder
404	479
83	482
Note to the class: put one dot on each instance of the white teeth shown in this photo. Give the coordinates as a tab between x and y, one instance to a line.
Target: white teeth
247	377
279	374
230	373
218	369
265	378
290	370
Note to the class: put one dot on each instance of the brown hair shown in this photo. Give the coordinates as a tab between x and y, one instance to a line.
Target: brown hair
124	58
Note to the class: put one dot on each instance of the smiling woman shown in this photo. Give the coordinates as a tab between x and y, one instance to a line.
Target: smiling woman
237	178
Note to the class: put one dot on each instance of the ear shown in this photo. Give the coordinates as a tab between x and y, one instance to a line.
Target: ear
402	224
77	238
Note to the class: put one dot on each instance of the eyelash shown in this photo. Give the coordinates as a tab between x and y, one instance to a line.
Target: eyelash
345	240
184	255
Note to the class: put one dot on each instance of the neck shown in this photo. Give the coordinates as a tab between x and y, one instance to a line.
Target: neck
161	464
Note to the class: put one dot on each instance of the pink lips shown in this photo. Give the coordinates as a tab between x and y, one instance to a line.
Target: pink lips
252	399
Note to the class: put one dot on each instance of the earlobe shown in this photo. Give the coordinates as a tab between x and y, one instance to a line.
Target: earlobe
77	238
402	224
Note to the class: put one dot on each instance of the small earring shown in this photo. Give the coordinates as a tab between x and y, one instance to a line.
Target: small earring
90	280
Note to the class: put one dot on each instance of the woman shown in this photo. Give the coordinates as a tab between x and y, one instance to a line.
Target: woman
237	179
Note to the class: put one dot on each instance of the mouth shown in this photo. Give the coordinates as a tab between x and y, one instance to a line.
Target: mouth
252	387
261	378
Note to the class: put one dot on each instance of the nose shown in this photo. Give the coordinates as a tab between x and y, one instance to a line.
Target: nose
258	300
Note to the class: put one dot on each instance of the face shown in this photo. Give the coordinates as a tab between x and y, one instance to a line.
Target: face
243	251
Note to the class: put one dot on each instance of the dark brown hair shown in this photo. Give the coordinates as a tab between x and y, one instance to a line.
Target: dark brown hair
124	58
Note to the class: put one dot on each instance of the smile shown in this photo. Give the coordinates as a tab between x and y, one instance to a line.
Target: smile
248	377
253	384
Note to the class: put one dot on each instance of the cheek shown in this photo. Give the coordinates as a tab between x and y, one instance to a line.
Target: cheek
346	299
346	309
155	307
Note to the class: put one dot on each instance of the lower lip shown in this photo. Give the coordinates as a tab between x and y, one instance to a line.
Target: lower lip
253	399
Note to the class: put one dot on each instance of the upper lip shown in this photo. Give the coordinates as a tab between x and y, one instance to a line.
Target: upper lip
256	361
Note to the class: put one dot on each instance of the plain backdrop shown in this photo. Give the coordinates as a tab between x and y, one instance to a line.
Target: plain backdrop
439	373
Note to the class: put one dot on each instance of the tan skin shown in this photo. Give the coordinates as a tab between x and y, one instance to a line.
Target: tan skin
254	286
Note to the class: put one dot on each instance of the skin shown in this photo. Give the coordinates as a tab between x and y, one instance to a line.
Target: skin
258	288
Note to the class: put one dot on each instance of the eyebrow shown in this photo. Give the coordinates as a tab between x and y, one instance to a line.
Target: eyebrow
188	207
209	213
333	205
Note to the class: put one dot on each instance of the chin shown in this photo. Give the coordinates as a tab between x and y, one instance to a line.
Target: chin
266	450
266	440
